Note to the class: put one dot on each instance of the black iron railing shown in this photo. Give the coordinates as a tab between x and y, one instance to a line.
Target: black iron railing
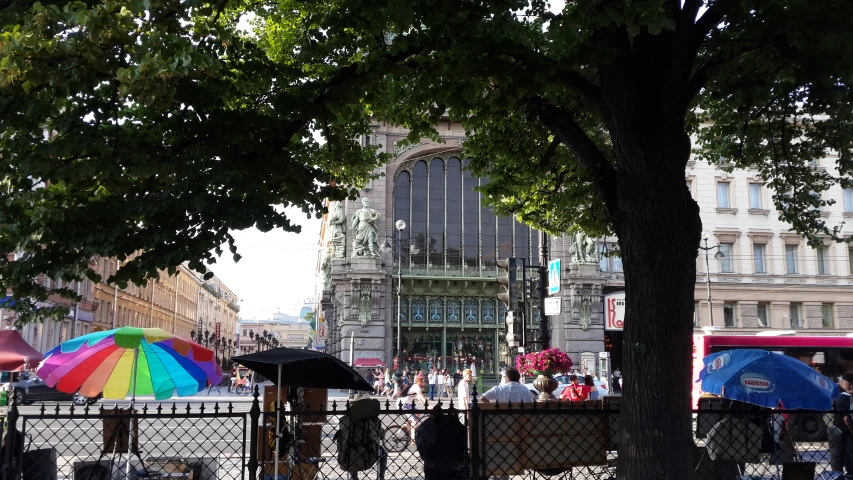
515	440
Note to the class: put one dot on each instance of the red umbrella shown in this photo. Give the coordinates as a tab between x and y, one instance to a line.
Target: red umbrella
15	352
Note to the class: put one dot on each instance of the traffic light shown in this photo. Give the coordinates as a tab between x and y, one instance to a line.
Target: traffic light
509	297
512	339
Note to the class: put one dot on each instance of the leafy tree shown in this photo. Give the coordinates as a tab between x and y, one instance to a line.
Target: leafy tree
153	126
157	127
583	117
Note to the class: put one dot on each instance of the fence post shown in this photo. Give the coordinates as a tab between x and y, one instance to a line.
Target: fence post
475	433
10	464
254	416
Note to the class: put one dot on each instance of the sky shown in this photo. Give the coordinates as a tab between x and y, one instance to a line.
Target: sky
277	271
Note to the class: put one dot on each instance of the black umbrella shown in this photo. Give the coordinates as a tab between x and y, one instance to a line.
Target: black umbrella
301	368
304	368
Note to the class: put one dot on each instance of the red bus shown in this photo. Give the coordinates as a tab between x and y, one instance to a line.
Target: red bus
832	356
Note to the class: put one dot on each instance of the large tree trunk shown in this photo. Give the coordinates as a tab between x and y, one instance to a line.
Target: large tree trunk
658	226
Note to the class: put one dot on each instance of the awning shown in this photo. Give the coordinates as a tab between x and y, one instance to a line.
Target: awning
15	352
369	363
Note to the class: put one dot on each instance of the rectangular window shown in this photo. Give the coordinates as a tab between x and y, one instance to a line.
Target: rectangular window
763	315
729	314
791	259
695	314
727	262
758	251
755	195
795	313
850	259
604	260
723	195
826	315
822	261
689	186
848	199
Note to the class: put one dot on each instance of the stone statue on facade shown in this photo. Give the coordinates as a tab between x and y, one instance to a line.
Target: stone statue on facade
338	230
585	310
366	241
583	249
327	269
364	305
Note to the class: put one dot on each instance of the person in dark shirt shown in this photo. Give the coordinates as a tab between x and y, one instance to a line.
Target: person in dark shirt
841	433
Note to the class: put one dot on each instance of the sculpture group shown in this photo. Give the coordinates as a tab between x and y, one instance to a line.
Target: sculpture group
365	242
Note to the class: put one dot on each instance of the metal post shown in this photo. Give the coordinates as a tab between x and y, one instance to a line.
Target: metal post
9	465
399	372
254	416
115	297
708	272
76	314
523	308
544	322
474	432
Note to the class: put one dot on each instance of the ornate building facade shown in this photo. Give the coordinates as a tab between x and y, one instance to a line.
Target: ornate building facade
445	258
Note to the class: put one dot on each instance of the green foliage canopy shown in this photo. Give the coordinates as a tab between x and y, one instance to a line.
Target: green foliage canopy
155	127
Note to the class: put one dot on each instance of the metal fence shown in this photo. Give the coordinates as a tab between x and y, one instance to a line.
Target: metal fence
554	440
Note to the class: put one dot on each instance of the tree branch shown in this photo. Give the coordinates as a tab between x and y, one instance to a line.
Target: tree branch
572	135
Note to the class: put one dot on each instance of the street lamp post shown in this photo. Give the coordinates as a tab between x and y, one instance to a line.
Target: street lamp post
719	256
400	226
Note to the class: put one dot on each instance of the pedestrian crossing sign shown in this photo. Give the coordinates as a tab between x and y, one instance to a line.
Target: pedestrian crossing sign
554	276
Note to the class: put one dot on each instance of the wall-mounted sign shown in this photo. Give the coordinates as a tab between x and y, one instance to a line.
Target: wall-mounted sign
614	311
554	276
552	306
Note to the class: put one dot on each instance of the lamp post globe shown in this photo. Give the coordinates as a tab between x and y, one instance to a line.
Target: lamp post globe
400	224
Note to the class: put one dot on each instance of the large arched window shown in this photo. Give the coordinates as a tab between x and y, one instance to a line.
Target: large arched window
455	233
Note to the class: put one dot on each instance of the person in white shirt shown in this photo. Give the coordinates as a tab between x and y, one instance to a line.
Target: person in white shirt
448	383
511	391
406	400
474	371
432	379
439	383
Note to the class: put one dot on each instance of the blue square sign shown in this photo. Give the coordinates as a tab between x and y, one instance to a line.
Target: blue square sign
554	276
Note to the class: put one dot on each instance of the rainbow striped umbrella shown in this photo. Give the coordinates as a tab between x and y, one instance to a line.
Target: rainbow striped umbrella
142	361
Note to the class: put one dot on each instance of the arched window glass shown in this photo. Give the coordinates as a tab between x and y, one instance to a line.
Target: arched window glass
419	209
505	237
534	247
471	217
402	197
436	212
488	221
522	242
454	213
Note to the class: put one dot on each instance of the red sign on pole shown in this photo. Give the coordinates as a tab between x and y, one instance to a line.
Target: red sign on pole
218	327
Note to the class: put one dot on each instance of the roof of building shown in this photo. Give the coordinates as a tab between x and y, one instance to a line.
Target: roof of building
281	318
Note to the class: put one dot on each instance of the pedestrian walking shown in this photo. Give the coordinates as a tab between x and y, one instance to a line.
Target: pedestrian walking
439	383
406	401
448	384
842	428
233	384
431	380
463	390
474	371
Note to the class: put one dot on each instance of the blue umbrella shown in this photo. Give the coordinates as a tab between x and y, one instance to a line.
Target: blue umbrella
766	378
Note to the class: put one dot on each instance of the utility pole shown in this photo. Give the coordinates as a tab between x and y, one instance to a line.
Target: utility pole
544	323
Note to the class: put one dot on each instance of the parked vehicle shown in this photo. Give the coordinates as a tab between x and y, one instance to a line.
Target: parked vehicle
564	382
32	389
